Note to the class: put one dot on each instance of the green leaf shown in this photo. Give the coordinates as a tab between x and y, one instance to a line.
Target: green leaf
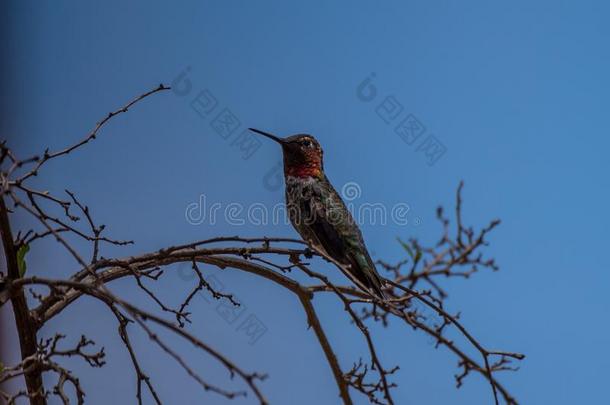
406	247
23	249
414	256
417	256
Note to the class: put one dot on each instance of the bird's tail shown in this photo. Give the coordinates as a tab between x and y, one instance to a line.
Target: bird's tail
376	284
365	276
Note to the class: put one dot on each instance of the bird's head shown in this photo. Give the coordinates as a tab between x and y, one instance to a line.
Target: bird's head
302	154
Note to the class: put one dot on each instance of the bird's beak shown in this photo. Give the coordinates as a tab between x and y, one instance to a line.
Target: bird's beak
268	135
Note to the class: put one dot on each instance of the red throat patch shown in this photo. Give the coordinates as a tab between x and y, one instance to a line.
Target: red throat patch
311	169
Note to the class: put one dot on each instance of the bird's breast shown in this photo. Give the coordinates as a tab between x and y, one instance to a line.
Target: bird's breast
299	190
301	196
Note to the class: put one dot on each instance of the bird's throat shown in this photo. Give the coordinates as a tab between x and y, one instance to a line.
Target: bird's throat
304	170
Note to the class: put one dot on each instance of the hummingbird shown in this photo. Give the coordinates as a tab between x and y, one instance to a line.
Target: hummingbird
318	213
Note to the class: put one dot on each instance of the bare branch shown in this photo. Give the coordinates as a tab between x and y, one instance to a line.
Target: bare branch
416	294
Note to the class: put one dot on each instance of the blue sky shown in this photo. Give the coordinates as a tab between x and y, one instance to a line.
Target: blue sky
516	93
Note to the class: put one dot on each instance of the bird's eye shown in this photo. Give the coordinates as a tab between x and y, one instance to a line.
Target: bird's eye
307	143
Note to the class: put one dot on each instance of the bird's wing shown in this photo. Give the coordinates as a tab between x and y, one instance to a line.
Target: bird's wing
335	229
